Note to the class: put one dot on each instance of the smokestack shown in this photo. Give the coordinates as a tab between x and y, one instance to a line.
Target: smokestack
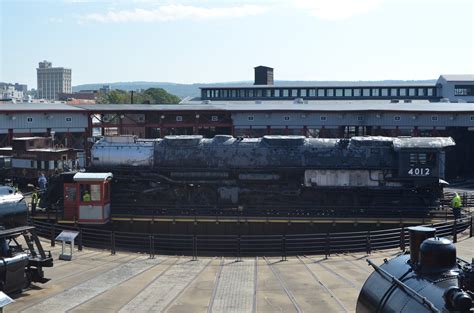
418	234
263	75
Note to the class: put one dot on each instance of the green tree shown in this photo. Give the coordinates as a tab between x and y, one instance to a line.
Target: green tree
160	96
149	96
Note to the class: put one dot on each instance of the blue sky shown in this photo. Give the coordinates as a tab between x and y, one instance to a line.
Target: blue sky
192	41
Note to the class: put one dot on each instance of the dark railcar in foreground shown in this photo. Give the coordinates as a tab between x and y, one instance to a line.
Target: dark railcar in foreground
429	279
13	207
20	266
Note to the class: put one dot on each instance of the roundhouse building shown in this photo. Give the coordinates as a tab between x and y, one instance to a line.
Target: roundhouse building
441	108
69	124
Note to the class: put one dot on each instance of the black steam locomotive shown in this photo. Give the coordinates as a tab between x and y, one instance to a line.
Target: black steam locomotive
274	171
429	279
272	174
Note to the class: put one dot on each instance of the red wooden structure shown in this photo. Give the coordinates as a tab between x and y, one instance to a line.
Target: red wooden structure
87	198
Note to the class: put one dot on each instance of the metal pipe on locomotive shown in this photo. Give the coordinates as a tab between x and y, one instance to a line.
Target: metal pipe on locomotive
271	173
428	279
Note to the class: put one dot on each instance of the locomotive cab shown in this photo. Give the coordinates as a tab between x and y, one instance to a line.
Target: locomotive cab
87	198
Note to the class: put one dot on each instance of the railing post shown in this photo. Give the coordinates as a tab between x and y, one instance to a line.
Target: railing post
283	248
470	227
368	247
152	246
239	258
455	231
52	234
194	248
79	238
402	238
328	245
112	242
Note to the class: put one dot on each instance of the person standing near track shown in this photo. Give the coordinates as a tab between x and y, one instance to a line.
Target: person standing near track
34	201
42	181
456	205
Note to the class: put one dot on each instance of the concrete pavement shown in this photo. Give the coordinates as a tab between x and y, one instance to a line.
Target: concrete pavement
96	281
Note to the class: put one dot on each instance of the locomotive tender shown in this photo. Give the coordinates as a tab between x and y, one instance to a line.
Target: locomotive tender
273	171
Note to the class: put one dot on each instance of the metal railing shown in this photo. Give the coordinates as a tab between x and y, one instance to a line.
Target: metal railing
249	245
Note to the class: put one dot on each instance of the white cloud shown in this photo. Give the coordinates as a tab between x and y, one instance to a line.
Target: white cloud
336	9
56	20
173	12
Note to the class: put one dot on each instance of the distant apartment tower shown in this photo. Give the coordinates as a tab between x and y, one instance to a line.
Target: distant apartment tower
52	80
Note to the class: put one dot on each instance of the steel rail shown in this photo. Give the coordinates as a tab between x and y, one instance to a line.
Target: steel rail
282	283
216	286
326	288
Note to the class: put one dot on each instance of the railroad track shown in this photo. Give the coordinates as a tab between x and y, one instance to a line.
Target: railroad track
282	283
339	276
216	286
323	285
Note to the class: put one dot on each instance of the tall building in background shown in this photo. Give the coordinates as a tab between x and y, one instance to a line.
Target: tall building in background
52	80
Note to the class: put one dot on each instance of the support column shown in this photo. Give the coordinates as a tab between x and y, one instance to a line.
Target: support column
396	131
10	136
415	132
322	132
88	135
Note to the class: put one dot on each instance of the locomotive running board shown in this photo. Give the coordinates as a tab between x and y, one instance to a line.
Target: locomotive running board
320	220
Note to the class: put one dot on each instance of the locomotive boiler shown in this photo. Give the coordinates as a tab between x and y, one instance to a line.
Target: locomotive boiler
429	279
13	207
273	172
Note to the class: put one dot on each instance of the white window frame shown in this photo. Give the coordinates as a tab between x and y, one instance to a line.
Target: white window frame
68	119
286	118
214	118
179	118
29	119
397	118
